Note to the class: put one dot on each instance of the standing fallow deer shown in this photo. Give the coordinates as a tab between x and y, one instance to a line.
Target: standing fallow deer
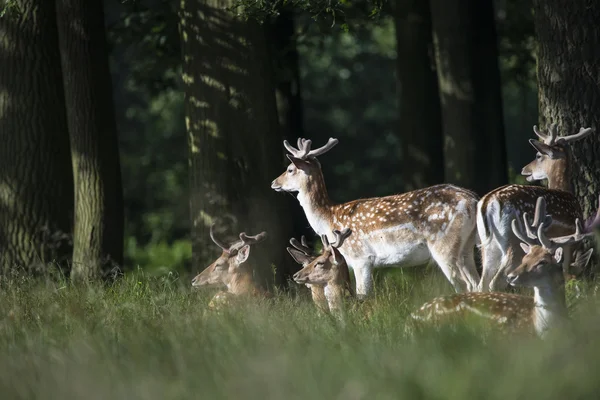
300	252
406	229
500	249
540	268
232	270
329	271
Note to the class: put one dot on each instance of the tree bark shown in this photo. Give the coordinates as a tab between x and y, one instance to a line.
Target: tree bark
420	119
569	85
467	63
36	189
233	132
98	222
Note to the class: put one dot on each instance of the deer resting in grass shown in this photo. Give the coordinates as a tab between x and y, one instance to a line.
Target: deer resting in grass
540	269
329	271
500	249
406	229
300	252
232	270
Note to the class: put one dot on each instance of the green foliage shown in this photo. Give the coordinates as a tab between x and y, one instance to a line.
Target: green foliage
153	338
9	8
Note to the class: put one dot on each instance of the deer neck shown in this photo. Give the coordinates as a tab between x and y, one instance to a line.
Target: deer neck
242	282
550	307
315	201
560	176
318	296
334	292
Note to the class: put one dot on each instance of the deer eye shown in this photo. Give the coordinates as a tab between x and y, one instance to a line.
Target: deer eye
320	265
538	156
290	170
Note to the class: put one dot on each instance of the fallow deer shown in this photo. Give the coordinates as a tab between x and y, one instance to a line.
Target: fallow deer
499	248
232	270
540	268
406	229
330	271
300	252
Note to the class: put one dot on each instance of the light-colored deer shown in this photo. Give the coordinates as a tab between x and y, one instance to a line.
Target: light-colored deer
232	270
300	252
540	268
329	271
409	229
499	247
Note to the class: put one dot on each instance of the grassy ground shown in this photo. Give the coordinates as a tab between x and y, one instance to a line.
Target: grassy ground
153	339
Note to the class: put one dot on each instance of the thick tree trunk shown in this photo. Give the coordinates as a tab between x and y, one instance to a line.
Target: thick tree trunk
420	122
98	223
467	63
234	136
569	89
286	67
36	188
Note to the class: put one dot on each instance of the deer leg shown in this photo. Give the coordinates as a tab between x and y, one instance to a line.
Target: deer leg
491	256
446	258
363	273
468	267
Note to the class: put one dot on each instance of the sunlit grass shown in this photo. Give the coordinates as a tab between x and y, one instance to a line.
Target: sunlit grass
153	338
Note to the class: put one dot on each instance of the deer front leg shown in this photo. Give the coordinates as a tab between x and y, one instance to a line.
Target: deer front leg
363	273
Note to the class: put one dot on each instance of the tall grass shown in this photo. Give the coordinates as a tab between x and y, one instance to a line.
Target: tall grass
154	339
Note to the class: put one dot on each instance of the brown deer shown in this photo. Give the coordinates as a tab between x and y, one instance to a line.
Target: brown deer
329	271
300	252
232	270
499	247
540	268
406	229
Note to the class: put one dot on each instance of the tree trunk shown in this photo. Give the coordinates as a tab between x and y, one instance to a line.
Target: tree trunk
234	136
36	188
467	63
420	119
285	59
98	223
569	89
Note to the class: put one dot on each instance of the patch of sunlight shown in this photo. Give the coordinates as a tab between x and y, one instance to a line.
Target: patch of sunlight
448	85
187	79
211	82
236	69
198	103
192	141
221	156
188	123
206	219
210	127
184	35
4	101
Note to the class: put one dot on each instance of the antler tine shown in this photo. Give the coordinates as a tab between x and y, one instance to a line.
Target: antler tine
583	132
340	237
543	239
325	241
539	134
324	149
518	231
575	237
217	241
300	245
553	133
529	228
252	239
302	150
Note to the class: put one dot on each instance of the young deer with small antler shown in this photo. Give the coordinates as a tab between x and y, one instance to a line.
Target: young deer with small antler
499	247
232	270
540	269
329	271
300	252
406	229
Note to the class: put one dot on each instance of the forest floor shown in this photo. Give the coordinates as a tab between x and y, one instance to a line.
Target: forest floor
153	338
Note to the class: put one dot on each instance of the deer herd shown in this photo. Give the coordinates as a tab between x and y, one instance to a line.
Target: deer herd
442	223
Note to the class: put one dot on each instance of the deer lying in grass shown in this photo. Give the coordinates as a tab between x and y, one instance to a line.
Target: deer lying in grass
300	252
330	271
540	268
499	247
406	229
232	270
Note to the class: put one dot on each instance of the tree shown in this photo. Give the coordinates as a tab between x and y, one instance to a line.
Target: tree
420	119
470	89
36	188
98	219
569	95
233	132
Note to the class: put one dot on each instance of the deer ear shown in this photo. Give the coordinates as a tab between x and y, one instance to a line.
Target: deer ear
525	248
581	260
298	162
243	254
543	148
558	253
299	256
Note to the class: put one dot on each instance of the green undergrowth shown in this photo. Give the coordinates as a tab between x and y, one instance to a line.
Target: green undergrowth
153	338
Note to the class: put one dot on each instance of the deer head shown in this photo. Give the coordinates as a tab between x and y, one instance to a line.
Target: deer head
304	167
541	265
233	256
552	153
328	267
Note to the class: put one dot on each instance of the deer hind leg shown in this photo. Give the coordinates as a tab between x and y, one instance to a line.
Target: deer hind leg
363	274
467	262
510	258
491	255
447	258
